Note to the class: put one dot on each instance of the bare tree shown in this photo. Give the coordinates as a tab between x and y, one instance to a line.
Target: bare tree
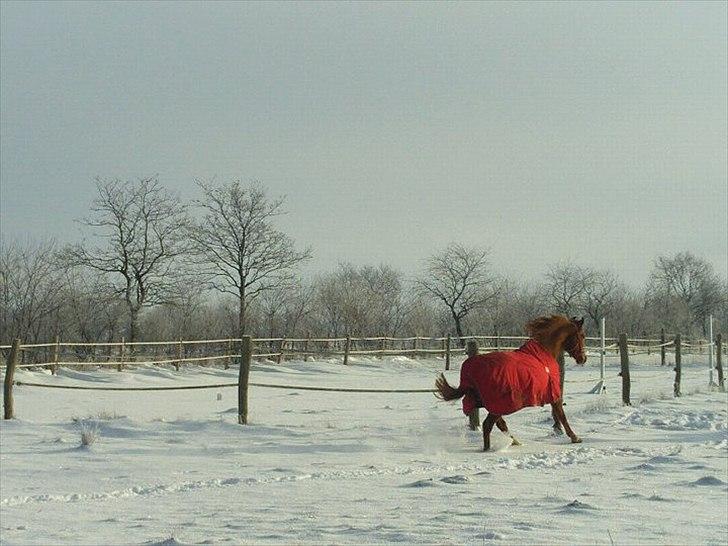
460	277
421	317
501	315
530	300
335	317
361	300
385	294
92	311
29	290
238	246
140	224
629	313
688	281
602	293
283	309
181	317
272	304
566	287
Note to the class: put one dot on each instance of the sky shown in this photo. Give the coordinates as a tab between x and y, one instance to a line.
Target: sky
587	132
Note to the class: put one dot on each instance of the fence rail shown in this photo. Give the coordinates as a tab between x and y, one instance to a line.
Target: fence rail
176	352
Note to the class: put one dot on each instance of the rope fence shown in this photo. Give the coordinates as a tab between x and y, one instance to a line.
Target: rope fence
87	388
223	385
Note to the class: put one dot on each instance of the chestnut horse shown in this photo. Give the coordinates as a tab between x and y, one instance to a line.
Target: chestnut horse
504	382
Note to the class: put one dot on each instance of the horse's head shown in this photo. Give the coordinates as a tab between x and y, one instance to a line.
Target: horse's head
557	333
574	342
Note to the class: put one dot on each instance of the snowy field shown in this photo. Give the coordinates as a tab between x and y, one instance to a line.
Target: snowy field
331	468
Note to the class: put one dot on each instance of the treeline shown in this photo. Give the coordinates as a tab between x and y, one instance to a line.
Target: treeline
218	267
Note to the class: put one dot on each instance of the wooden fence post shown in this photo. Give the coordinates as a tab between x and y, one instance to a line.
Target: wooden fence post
9	376
56	351
347	346
121	356
719	361
471	347
662	349
179	355
246	353
279	357
678	364
624	365
447	352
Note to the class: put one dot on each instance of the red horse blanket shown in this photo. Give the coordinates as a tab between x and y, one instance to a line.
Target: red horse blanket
505	382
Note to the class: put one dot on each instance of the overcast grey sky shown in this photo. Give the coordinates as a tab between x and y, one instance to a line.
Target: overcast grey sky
592	132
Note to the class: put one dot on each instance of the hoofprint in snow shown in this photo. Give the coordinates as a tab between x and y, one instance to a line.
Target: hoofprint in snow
326	467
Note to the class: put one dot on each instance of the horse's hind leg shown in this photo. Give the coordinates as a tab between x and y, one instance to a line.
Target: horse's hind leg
488	423
557	425
501	424
558	408
474	419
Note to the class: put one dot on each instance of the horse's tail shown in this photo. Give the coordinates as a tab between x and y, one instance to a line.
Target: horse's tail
445	391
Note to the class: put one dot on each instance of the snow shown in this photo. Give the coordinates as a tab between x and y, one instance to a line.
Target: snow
171	468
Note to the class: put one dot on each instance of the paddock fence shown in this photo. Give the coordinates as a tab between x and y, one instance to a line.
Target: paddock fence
226	352
668	350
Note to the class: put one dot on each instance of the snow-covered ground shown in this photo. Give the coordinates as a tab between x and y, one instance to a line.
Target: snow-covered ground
323	467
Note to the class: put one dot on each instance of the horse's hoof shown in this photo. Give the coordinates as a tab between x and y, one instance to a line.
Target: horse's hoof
576	440
515	442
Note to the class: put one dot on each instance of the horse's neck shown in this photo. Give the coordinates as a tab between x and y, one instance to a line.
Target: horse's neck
553	342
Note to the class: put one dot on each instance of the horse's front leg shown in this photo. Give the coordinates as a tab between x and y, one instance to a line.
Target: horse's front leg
503	427
558	408
488	423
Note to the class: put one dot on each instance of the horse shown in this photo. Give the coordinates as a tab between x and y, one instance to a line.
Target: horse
507	381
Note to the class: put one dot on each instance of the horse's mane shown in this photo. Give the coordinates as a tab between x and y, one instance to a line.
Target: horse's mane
549	330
